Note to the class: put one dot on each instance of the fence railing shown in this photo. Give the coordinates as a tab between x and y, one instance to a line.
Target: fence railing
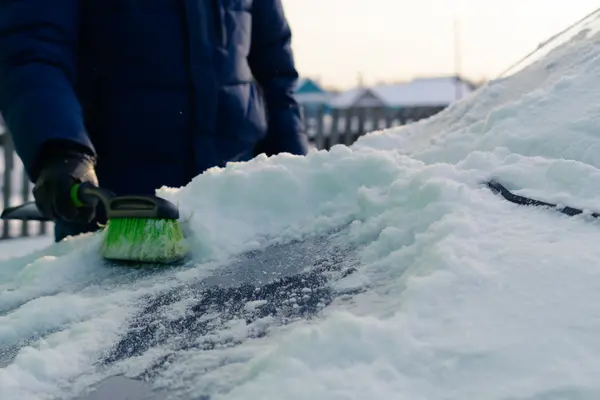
325	129
16	189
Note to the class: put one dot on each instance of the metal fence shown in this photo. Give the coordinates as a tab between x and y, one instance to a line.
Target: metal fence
16	189
325	129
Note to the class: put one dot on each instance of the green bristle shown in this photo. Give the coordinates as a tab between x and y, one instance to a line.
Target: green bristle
143	239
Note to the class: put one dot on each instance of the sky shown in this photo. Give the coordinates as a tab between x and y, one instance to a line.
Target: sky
336	41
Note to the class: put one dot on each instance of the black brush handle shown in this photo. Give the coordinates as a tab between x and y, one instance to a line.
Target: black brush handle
142	207
23	212
86	194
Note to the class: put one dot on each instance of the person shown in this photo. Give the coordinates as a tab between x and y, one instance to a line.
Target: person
132	95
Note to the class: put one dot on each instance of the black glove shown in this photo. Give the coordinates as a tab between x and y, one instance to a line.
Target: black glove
60	169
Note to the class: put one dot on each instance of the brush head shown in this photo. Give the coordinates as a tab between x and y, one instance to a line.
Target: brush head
148	240
139	228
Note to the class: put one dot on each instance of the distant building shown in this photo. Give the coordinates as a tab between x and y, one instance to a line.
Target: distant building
312	97
360	97
407	101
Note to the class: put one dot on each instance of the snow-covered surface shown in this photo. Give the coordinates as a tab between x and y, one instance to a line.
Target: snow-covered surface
457	294
14	248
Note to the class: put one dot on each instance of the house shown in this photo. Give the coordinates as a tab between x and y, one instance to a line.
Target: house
311	96
407	101
360	97
424	92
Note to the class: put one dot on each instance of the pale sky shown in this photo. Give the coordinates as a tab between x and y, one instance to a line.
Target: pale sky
335	40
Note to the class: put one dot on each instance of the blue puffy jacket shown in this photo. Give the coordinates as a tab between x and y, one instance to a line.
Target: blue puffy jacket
160	90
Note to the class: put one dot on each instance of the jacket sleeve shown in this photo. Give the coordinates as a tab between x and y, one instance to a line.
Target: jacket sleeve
272	64
38	41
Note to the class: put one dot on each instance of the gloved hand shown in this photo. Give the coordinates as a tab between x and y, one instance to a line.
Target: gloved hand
58	173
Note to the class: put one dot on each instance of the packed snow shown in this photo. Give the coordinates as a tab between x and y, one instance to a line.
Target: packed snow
454	294
23	246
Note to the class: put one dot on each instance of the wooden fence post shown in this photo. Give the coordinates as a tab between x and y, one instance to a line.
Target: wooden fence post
25	197
320	131
348	126
362	119
378	119
8	147
333	137
43	226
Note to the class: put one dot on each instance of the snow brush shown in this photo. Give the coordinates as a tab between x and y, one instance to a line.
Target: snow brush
498	188
139	228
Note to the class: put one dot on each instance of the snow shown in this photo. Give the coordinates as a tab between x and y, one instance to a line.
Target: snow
19	247
456	294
